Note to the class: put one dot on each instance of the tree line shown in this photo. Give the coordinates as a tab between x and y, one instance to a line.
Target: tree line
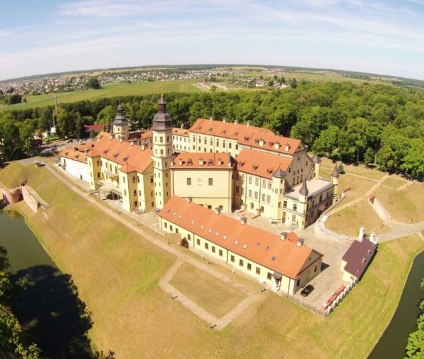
377	125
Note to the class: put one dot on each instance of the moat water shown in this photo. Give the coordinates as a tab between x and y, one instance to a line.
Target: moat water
393	342
48	307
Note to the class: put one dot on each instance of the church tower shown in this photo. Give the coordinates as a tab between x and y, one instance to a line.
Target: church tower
162	154
120	126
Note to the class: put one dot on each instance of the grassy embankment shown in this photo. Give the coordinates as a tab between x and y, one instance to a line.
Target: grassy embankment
116	273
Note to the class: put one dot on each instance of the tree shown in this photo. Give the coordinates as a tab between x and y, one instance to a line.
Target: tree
93	83
14	342
415	346
326	143
414	158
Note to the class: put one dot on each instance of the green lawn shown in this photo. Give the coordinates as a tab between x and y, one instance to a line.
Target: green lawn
117	271
206	290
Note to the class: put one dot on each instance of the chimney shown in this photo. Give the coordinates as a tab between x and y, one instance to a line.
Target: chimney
277	145
224	120
132	142
85	150
180	161
182	126
201	161
217	210
74	149
248	124
243	220
373	238
211	118
111	136
287	148
219	161
236	122
299	242
361	233
283	236
189	199
143	146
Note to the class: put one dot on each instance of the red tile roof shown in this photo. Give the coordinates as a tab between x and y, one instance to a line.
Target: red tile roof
261	164
180	132
271	142
247	241
209	160
132	157
225	129
76	152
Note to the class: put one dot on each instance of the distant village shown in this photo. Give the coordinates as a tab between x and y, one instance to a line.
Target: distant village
77	82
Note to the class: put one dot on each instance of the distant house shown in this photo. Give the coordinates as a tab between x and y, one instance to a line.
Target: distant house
357	258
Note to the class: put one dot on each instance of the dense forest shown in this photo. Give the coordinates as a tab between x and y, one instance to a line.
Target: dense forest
377	125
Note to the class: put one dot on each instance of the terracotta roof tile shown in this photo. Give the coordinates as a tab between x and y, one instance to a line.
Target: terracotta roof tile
261	164
250	242
122	153
202	160
271	142
225	129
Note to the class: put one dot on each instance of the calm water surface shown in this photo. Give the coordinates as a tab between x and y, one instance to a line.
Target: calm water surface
48	307
393	342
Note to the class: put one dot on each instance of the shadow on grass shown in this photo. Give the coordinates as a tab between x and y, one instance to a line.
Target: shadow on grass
51	310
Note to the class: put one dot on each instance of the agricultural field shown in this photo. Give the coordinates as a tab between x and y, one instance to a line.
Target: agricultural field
111	90
117	272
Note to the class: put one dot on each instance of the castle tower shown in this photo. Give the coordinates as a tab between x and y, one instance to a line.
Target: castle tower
120	126
278	188
335	182
303	204
162	154
317	165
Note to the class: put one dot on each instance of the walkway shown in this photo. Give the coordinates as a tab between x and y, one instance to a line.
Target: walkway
216	323
399	230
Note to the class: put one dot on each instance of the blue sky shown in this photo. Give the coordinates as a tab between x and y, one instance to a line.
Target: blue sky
385	37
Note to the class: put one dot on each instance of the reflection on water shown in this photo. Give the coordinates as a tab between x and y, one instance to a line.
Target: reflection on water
48	306
393	342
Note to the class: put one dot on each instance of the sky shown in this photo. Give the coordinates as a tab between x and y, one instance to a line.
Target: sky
374	36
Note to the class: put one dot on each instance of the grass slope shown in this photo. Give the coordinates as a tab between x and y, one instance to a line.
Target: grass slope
116	273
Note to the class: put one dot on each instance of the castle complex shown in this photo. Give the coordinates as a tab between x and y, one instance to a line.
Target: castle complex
218	164
190	176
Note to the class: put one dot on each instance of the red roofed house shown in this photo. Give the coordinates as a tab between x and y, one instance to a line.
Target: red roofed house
283	262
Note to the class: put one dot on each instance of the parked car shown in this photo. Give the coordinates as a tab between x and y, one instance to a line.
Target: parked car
307	290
